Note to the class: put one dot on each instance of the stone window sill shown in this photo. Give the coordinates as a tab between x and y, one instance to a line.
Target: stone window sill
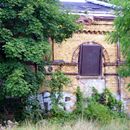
89	77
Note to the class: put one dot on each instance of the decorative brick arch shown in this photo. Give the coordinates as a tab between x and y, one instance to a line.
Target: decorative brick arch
75	55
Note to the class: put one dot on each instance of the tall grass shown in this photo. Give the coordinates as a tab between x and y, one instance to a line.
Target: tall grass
79	125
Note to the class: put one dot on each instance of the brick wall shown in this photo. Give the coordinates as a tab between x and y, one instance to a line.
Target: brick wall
96	33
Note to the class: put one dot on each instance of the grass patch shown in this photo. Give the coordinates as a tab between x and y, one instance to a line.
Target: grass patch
121	124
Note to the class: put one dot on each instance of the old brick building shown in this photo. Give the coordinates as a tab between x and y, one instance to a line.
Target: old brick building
88	58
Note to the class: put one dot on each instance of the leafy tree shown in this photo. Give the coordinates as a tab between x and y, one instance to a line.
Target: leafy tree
121	33
25	27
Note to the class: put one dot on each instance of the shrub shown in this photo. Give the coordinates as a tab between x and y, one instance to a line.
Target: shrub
101	107
33	111
57	82
97	111
60	116
79	101
107	99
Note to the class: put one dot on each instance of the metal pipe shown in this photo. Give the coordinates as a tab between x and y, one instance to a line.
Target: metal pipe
52	49
118	64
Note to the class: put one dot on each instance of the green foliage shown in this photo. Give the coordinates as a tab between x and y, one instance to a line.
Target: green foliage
99	112
102	107
121	33
57	114
97	108
16	86
79	102
118	3
19	80
33	110
27	50
107	99
25	27
57	82
41	19
61	117
5	34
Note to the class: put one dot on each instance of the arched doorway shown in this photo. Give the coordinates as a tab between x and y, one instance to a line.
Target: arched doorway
91	58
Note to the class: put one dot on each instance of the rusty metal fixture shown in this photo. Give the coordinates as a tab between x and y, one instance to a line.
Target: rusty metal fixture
118	64
52	47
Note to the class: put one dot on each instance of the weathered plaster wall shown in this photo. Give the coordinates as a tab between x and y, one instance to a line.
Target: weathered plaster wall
86	86
68	99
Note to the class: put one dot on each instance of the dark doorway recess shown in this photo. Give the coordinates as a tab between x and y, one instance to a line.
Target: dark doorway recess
90	60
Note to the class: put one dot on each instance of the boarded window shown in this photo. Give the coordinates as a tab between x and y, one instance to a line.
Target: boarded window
90	60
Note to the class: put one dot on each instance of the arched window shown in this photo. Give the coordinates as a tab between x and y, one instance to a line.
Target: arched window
90	60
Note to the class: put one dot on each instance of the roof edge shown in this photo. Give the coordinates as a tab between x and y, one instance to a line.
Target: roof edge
102	3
